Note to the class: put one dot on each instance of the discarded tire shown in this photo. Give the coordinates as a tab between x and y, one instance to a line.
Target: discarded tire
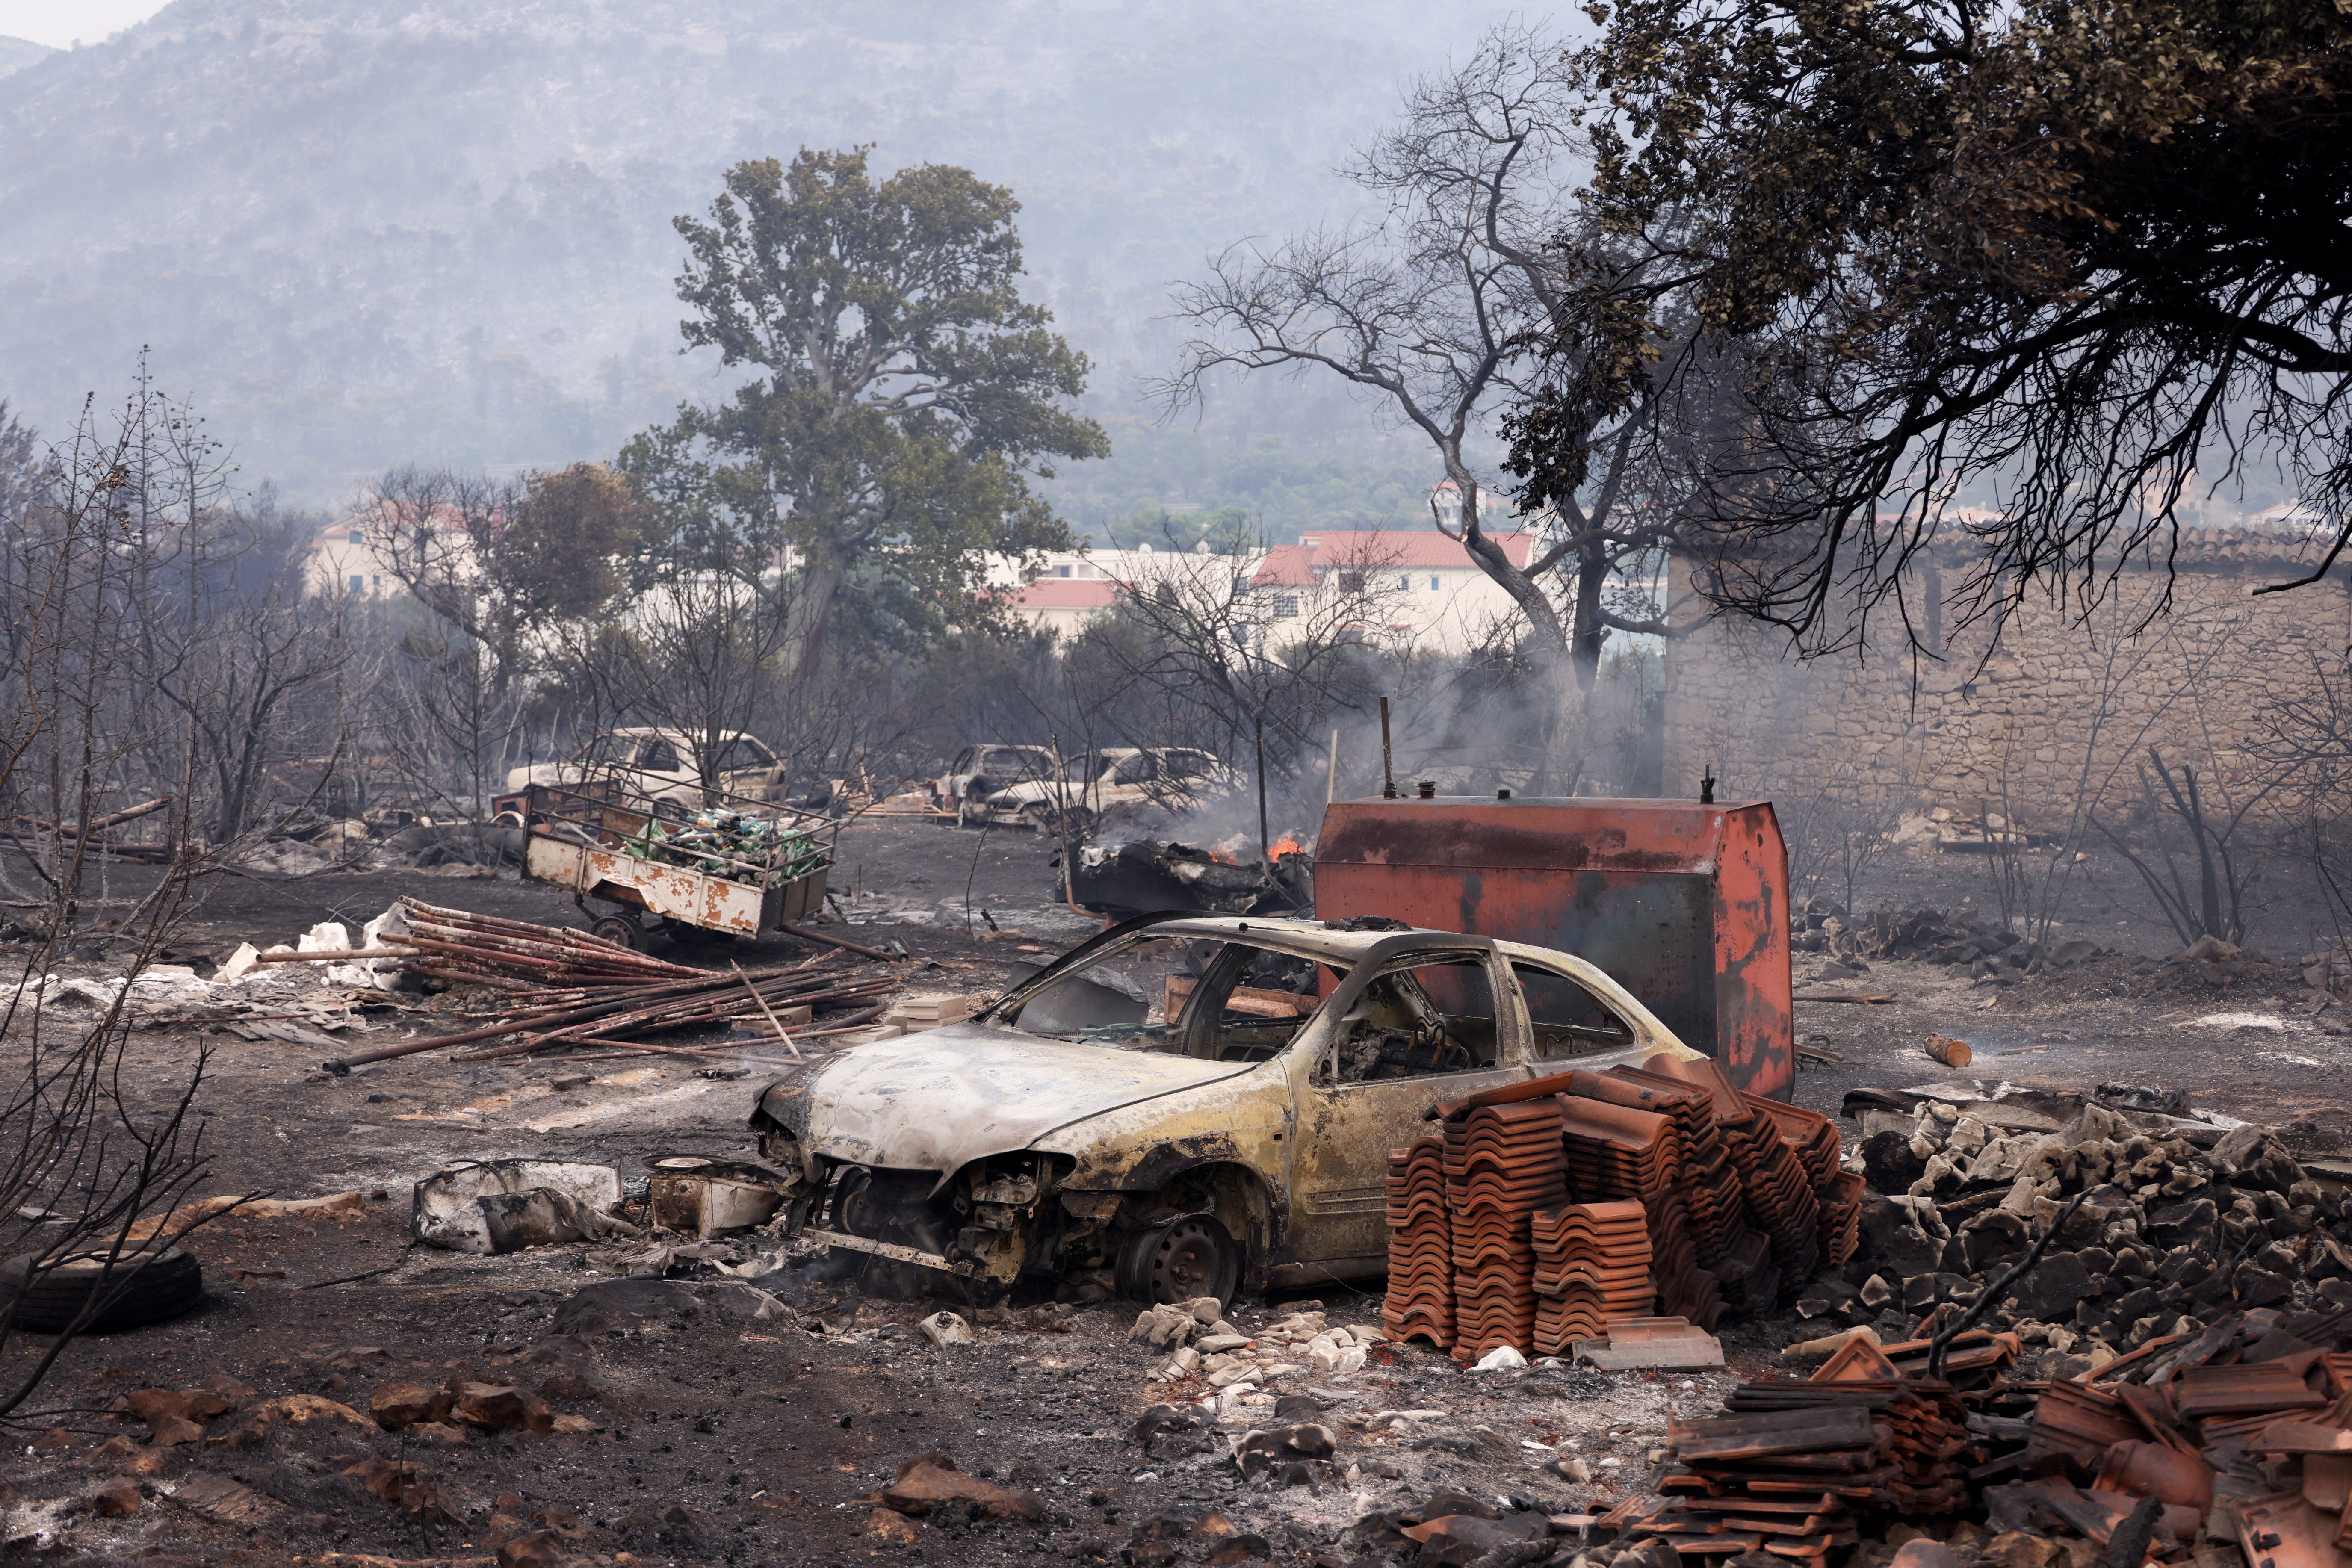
142	1286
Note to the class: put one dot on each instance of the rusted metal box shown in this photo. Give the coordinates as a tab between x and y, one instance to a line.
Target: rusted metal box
1686	904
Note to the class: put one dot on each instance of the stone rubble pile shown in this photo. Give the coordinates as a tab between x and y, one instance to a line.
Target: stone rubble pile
2177	1222
1234	1367
1929	936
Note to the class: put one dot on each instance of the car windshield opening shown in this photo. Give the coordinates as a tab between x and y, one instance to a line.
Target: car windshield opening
1213	1000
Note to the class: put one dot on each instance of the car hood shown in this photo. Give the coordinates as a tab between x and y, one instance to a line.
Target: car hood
1035	789
942	1098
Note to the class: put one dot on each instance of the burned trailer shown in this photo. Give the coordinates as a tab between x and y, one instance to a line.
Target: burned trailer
1683	902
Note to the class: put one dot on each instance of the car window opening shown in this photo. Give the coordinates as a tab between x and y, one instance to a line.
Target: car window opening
1568	1018
1416	1020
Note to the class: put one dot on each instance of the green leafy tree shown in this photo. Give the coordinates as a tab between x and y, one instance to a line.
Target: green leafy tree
2069	258
904	394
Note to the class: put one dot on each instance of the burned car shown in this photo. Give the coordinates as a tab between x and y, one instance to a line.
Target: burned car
979	772
1182	1106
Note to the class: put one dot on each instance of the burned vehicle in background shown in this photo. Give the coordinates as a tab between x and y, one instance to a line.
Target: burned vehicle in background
1098	786
1182	1106
979	772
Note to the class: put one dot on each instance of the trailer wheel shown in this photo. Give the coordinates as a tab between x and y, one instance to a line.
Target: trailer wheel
620	930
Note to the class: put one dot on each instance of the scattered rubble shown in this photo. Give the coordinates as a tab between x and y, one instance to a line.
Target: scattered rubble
1928	936
506	1205
2176	1217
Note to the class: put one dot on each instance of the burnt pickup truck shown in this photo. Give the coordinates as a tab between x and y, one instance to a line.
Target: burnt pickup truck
1183	1105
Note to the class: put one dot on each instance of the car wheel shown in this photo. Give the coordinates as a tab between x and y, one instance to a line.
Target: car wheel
140	1286
1180	1258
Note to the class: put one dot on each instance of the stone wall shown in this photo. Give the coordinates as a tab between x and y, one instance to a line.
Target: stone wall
2053	708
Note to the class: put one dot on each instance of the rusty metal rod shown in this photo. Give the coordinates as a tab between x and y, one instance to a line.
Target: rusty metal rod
842	942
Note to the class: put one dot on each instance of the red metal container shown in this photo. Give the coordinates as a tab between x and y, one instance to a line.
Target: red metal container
1685	905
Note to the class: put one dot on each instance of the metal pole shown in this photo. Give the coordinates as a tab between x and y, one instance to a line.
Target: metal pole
1331	784
1388	769
1265	843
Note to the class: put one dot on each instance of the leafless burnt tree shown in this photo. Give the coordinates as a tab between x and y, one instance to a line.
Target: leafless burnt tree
1435	313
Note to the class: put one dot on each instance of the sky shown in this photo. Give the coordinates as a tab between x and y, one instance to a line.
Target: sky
59	22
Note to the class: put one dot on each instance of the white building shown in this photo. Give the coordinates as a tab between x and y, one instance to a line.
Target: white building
1423	587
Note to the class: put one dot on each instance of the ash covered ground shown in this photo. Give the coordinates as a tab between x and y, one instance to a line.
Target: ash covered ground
691	1430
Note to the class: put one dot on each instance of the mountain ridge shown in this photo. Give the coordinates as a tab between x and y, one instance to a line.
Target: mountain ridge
361	233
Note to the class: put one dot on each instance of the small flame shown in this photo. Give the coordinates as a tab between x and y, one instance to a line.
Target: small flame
1285	845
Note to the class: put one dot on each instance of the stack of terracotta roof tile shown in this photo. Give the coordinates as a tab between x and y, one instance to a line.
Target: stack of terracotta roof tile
1503	1162
1709	1186
1746	1266
1420	1302
1841	1229
1790	1464
1592	1269
1810	1135
1780	1194
1616	1152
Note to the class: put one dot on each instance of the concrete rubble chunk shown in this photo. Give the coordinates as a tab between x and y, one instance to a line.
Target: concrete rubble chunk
400	1405
503	1205
500	1406
930	1481
945	1329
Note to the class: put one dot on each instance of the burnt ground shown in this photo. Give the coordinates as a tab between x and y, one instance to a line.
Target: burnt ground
712	1439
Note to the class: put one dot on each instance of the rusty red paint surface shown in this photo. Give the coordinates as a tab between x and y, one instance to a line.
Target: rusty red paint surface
1687	905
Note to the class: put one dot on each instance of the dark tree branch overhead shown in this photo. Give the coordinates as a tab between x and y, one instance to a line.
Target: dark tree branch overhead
2059	257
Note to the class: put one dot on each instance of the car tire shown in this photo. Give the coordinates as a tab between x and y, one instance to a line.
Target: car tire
147	1285
1173	1256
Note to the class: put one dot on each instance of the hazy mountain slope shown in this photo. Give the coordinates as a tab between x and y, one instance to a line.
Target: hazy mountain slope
15	54
365	232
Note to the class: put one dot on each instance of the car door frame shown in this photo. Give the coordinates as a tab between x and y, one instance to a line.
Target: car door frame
1312	1130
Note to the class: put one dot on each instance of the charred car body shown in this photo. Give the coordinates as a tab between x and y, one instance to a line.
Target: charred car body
979	772
1194	1104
